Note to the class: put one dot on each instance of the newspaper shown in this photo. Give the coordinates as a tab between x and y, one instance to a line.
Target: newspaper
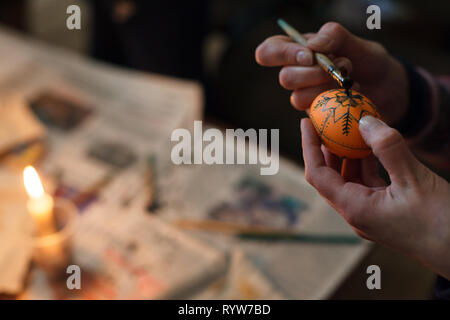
297	269
95	111
243	282
127	255
238	196
103	125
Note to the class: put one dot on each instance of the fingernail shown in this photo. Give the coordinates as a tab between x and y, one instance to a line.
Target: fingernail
304	58
367	123
319	41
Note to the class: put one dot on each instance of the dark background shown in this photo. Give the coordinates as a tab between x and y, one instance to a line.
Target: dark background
213	41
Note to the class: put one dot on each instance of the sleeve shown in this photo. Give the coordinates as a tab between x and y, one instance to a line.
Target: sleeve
442	289
427	124
426	128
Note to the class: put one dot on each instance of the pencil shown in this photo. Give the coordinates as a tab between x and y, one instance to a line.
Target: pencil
322	60
265	234
303	237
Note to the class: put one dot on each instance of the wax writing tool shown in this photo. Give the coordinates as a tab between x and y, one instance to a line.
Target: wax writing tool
322	60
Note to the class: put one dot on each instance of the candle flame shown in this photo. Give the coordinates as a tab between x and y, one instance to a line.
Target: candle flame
32	183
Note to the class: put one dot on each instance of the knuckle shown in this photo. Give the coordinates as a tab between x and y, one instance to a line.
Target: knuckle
377	47
350	217
356	220
355	213
284	54
336	34
344	63
286	78
332	28
389	139
310	178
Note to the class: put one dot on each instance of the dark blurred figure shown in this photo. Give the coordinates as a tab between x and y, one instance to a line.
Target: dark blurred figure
12	13
161	36
168	37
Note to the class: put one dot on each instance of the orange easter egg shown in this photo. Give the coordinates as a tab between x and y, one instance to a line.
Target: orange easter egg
336	116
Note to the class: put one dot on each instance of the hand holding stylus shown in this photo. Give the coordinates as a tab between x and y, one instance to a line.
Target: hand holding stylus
375	73
411	214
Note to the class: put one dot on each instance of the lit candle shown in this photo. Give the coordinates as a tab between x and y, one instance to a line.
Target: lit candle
39	204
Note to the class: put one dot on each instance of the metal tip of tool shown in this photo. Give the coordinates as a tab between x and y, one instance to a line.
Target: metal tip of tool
347	83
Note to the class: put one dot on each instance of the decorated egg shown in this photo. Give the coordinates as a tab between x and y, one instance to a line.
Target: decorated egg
335	116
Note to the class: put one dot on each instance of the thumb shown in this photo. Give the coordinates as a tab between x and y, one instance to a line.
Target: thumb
335	39
390	148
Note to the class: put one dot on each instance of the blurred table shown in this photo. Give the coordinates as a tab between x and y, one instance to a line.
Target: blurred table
302	269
